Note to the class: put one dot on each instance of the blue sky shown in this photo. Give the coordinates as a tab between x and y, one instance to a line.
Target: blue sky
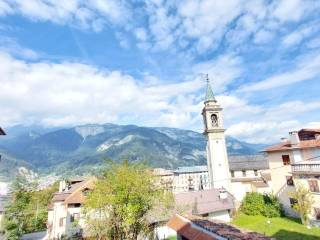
73	62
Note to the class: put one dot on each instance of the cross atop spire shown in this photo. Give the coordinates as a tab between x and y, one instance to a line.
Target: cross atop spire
209	93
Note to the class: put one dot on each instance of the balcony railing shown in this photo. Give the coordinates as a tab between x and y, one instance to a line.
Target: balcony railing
306	168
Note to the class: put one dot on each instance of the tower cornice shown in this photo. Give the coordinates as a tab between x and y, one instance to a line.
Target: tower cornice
218	130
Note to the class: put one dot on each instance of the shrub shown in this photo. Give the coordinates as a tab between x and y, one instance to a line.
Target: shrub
258	204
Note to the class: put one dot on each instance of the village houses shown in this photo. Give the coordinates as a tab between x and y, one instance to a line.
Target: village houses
212	191
293	161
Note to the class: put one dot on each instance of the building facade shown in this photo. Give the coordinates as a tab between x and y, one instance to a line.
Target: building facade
248	174
296	161
65	218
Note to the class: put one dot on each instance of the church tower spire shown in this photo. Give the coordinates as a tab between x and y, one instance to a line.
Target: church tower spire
209	93
217	158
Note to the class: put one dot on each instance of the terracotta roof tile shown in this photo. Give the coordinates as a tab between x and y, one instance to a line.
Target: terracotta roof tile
288	146
75	193
197	228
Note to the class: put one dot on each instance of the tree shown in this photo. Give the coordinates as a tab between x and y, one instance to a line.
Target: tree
303	203
27	212
261	204
121	201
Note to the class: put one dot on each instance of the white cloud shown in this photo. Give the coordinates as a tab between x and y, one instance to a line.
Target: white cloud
203	25
292	10
263	36
5	8
296	37
308	67
91	14
314	43
263	131
74	93
11	46
140	34
222	70
262	124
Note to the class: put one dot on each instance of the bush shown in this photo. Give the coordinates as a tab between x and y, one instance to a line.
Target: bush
258	204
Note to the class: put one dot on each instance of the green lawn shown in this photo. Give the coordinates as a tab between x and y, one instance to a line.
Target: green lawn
279	228
171	238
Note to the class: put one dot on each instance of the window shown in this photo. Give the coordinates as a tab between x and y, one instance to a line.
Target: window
255	172
61	222
214	120
232	173
313	185
74	217
244	173
290	181
293	202
286	159
317	213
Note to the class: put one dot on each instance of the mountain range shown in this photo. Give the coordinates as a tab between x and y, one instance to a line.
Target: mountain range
82	149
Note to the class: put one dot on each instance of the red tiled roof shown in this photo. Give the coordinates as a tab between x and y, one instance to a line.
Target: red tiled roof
184	228
288	146
74	194
192	227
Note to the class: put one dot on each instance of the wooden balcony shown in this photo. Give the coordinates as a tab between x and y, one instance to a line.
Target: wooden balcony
313	168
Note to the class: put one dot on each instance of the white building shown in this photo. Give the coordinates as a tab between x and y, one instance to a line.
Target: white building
248	174
296	160
64	215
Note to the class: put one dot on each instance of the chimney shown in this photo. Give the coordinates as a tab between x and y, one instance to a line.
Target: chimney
62	186
294	137
223	194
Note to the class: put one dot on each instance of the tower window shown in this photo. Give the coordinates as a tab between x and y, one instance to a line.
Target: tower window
232	173
255	172
214	120
244	173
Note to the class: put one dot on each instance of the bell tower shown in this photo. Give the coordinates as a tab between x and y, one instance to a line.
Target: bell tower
217	158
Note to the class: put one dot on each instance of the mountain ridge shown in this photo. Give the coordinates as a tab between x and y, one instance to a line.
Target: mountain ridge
81	149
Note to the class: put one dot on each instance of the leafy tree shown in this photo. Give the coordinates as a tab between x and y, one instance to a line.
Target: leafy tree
304	202
252	204
120	204
258	204
27	212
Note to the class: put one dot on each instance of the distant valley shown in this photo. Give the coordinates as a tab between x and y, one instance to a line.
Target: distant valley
82	149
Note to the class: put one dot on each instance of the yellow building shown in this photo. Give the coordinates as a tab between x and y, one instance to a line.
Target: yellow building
296	160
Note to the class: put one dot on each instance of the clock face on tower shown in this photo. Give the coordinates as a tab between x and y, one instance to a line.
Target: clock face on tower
214	120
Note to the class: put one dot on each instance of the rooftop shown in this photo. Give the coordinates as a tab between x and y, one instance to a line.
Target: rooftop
305	138
197	228
285	146
191	169
75	193
203	202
